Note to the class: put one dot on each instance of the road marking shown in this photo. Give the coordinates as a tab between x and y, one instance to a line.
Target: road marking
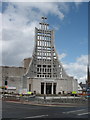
74	111
83	113
37	116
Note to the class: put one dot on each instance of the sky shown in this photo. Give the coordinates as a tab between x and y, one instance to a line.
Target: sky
68	19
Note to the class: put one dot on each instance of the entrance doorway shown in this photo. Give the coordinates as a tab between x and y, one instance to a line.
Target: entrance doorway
54	88
42	88
29	87
48	88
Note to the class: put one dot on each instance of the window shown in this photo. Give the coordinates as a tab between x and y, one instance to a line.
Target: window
49	65
61	75
37	75
38	65
40	43
6	82
37	69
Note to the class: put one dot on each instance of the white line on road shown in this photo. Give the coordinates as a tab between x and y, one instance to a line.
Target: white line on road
74	111
37	116
83	113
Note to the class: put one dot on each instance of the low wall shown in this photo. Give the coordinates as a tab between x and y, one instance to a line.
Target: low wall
45	100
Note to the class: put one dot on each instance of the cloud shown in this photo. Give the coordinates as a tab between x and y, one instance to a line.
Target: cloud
46	8
83	60
63	55
19	22
78	69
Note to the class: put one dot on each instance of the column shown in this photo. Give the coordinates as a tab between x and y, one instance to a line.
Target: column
52	88
45	88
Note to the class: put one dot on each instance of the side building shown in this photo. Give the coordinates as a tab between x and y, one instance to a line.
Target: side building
10	76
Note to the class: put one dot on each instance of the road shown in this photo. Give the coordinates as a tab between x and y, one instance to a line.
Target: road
18	111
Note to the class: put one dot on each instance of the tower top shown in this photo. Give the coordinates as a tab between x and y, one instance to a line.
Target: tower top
43	24
43	18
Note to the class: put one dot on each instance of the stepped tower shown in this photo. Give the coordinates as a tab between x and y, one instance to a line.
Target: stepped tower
45	64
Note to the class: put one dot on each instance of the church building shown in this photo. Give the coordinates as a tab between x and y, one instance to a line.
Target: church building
43	73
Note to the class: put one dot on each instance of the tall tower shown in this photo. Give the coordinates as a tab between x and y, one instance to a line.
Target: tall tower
45	62
45	73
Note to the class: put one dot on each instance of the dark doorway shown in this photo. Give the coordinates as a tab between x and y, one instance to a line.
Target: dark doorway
42	88
48	88
29	87
54	88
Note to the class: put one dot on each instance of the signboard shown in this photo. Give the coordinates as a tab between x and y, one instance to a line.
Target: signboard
48	80
11	88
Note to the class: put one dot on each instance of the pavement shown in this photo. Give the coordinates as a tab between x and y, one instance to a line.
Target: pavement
19	111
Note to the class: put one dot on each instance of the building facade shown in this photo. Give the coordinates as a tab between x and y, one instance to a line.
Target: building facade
43	73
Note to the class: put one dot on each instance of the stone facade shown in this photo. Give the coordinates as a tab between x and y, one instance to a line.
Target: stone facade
62	86
11	76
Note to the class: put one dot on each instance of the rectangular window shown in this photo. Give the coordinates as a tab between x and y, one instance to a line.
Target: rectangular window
44	65
37	75
38	65
6	82
37	69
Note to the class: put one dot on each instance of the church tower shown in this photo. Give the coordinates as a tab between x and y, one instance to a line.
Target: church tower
45	62
45	73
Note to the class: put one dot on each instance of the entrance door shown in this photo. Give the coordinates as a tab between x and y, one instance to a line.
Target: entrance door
42	88
48	88
29	87
54	88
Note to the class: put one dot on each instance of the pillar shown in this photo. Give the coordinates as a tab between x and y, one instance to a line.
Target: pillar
45	88
52	88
